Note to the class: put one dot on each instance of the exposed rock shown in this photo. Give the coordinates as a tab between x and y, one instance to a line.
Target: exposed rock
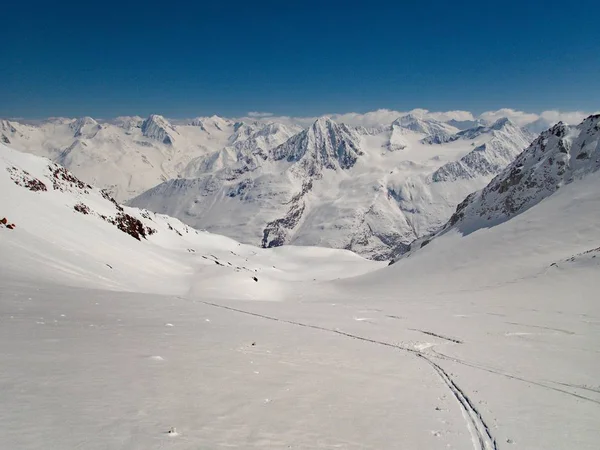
82	208
24	179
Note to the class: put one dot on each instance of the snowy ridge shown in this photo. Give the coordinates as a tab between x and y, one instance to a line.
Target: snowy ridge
85	127
559	156
436	132
507	141
157	128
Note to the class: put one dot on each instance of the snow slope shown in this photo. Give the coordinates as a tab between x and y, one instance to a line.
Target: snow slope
331	185
486	340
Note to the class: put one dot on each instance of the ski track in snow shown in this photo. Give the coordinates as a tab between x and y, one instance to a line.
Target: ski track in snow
480	433
446	338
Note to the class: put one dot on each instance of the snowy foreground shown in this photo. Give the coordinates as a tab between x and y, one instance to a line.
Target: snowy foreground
487	340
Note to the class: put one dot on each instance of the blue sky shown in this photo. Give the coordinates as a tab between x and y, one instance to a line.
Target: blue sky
183	59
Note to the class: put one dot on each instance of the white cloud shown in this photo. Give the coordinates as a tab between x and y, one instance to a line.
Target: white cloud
257	114
381	117
521	118
573	117
536	122
445	116
452	115
369	119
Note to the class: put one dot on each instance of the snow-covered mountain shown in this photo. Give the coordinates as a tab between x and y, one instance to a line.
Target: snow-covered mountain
64	230
435	132
505	142
559	156
129	155
267	183
363	189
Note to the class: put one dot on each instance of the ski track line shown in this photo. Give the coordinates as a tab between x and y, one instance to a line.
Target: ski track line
517	378
446	338
480	433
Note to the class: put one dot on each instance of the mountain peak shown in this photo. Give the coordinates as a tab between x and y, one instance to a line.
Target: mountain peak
325	144
435	132
323	122
85	127
501	123
158	128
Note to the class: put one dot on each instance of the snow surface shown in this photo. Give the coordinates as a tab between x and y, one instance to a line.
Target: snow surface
487	340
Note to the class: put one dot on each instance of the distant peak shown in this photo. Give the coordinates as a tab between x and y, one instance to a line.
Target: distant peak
156	118
158	128
84	125
324	121
501	123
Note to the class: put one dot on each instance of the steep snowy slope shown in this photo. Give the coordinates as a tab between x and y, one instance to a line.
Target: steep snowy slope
336	186
559	156
62	229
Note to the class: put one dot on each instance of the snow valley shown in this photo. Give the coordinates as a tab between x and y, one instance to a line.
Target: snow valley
128	328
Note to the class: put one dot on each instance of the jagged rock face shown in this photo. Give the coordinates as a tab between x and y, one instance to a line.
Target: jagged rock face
276	233
157	128
325	145
507	142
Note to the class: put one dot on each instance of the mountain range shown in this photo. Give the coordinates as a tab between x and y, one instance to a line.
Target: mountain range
368	190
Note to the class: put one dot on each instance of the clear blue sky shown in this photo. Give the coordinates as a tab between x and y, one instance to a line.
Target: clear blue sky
184	59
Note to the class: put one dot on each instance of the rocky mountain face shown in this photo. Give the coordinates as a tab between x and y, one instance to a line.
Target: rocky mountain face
557	157
325	145
157	128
